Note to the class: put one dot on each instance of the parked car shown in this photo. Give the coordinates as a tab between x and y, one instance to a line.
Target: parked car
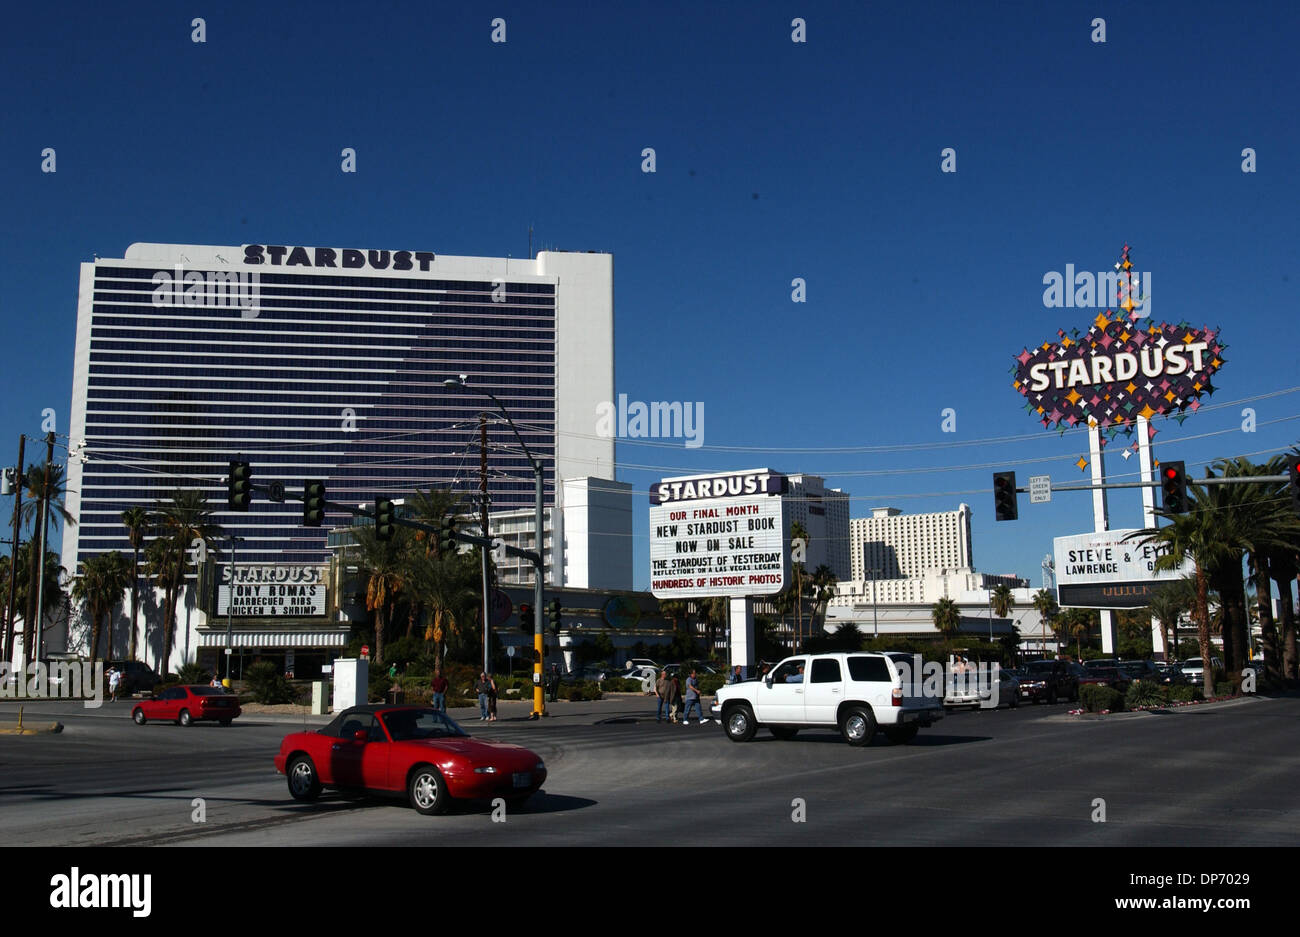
1050	680
856	693
1105	676
137	677
684	669
1103	663
1142	670
411	751
1170	674
642	662
188	704
1194	669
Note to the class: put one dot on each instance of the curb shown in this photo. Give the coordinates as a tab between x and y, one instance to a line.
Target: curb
1166	710
52	728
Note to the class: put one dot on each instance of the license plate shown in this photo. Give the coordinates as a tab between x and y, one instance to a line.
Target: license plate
522	779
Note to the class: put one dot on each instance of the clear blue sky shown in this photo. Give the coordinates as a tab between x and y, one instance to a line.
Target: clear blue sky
775	160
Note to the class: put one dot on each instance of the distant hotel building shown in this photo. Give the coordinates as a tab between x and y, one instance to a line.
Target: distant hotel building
328	363
901	546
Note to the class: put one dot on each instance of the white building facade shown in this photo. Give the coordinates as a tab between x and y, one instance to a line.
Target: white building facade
319	363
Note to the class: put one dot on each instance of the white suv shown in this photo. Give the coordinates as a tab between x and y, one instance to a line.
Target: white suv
857	693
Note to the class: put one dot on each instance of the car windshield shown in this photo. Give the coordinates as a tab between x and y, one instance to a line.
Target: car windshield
1040	667
1099	664
1104	673
406	725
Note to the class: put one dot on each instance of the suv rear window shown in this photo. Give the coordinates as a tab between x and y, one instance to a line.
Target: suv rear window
869	669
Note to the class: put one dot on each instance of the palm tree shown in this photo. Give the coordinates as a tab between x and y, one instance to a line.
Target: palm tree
25	593
432	506
824	583
184	518
783	602
387	569
103	580
947	617
136	522
1189	537
1169	602
714	611
1078	629
40	492
1045	605
447	584
1003	600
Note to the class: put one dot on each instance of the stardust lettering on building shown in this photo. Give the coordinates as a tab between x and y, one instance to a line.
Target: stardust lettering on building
720	486
280	255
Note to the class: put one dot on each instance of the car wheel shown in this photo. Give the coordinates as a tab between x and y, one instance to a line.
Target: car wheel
740	723
138	715
784	733
304	784
428	791
900	735
1051	697
858	726
185	718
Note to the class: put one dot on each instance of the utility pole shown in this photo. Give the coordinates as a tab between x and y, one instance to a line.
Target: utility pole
45	526
13	557
483	498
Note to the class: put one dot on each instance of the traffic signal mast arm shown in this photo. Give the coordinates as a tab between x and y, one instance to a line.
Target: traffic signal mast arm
406	522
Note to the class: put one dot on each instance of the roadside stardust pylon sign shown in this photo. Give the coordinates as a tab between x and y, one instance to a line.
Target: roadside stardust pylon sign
1118	371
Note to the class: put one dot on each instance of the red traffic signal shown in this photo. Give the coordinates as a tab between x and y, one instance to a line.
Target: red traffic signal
1173	488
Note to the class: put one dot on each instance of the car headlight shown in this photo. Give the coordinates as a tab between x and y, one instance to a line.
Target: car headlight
485	770
540	766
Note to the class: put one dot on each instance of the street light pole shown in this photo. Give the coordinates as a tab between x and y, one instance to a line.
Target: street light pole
539	562
230	607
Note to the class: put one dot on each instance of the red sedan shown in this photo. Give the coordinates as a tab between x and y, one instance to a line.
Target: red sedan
188	704
411	750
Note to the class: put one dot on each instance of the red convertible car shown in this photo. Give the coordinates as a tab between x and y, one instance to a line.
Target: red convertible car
411	750
188	704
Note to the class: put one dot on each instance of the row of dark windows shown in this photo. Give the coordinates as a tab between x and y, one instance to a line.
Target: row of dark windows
128	338
271	306
446	348
222	387
133	273
349	327
414	418
233	293
393	375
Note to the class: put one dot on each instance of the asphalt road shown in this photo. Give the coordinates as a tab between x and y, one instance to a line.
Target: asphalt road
1217	774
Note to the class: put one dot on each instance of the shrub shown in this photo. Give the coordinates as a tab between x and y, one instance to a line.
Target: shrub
193	673
580	690
1183	694
1096	698
1145	693
620	685
710	683
268	685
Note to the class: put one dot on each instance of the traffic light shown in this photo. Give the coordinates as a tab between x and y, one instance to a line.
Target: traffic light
1173	488
1006	506
313	503
447	543
526	623
1293	482
383	519
239	486
553	615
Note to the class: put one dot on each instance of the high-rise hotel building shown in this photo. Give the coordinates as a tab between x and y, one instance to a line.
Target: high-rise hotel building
328	363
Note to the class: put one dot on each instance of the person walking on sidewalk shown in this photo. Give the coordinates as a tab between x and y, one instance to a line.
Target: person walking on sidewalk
693	699
674	698
661	691
483	688
492	699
